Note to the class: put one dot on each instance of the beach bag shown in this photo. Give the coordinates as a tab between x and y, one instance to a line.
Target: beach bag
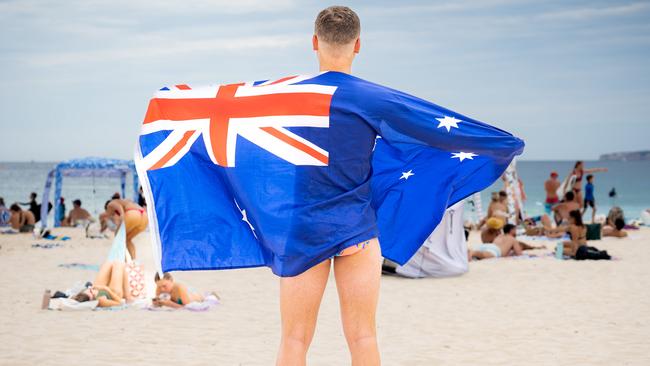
134	272
591	253
593	231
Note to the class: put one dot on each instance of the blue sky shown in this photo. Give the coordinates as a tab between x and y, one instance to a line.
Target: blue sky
569	77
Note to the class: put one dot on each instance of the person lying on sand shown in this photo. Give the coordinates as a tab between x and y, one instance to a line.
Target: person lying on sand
533	228
615	230
173	294
109	288
505	245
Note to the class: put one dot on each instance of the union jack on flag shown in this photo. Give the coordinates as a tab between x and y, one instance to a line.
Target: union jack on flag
259	112
289	172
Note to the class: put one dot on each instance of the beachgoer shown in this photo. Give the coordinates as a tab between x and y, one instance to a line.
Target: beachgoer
21	220
116	196
5	213
132	215
491	230
358	268
78	215
34	207
577	247
505	245
109	288
563	208
615	230
107	221
579	171
533	228
551	186
179	295
590	200
141	201
60	213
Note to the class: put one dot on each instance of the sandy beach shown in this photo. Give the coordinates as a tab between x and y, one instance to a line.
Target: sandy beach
513	311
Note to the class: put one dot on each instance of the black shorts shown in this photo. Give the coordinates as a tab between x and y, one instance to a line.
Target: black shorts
591	203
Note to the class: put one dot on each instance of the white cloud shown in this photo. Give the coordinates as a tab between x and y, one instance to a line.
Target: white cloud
595	12
145	51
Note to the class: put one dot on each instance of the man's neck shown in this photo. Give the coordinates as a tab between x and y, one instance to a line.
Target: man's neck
346	69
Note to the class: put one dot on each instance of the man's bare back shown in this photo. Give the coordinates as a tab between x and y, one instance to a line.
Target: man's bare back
508	243
551	186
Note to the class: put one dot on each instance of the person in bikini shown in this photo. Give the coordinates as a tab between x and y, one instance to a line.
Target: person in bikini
132	215
21	220
109	288
579	171
173	294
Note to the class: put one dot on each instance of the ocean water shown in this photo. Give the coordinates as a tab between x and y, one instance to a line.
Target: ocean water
631	180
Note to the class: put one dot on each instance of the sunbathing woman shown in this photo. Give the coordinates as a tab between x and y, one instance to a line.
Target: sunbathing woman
109	288
178	294
132	215
577	248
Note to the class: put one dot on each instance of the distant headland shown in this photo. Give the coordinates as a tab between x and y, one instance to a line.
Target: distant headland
627	156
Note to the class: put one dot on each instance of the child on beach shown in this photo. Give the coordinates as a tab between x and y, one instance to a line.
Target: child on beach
589	198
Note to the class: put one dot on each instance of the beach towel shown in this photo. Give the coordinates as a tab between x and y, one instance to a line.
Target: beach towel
89	267
286	173
47	245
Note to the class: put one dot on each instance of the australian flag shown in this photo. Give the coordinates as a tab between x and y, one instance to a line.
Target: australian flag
286	173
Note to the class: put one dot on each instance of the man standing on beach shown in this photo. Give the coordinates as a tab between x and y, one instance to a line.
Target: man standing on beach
367	161
551	186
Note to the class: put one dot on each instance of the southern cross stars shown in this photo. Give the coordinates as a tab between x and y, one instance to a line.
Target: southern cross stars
448	122
406	175
463	155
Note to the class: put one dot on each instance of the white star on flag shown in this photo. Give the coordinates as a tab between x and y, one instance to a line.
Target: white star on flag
448	122
406	175
463	155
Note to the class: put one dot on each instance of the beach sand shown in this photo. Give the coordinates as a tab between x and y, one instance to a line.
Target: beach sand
533	311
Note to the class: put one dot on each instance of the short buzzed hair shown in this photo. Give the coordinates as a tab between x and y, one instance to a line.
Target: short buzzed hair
337	25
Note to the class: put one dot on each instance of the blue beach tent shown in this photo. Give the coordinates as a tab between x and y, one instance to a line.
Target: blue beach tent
85	167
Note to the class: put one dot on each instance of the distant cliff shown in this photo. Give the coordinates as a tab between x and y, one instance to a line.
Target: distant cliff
627	156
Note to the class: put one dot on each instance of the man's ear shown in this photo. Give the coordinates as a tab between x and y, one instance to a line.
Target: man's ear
314	42
357	45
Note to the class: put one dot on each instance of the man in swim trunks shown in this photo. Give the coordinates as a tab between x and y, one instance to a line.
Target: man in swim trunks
357	269
505	245
551	186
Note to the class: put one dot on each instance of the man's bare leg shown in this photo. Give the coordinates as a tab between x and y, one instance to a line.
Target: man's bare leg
300	298
480	255
357	281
